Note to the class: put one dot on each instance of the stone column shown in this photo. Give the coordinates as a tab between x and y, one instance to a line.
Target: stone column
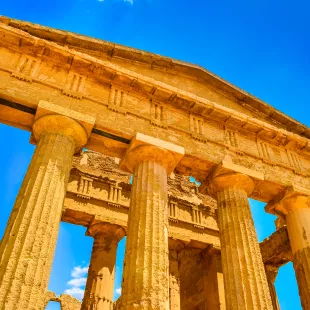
100	281
146	269
271	273
27	248
245	280
213	279
295	208
175	246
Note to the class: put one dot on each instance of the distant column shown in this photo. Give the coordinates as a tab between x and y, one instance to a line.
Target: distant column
100	281
213	279
271	273
175	246
295	208
146	269
27	248
245	280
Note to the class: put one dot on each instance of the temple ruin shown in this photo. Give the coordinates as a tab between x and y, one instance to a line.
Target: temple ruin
118	133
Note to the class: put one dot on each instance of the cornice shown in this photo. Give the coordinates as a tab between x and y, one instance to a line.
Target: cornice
133	82
110	50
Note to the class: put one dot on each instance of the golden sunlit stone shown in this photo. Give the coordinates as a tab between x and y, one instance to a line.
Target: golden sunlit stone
188	247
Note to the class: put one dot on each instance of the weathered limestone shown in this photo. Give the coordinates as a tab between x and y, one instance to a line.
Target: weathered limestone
27	248
271	274
295	208
100	281
134	91
93	180
175	246
146	269
66	301
213	279
245	280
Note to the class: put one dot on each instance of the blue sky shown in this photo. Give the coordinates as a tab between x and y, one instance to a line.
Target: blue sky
261	46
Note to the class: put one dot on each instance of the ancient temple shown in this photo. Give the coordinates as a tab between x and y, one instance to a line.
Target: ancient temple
118	133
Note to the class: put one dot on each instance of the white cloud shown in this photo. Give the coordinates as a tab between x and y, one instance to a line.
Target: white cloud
78	282
75	292
118	291
79	271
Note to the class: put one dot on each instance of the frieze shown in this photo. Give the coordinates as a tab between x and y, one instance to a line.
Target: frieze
107	196
210	105
26	68
117	100
166	95
159	115
74	85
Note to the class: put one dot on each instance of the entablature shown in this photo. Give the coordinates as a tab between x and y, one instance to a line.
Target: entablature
276	249
80	66
207	130
122	54
99	190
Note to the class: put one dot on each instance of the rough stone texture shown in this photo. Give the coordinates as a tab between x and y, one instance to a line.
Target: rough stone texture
68	302
49	296
298	225
28	245
302	270
276	249
213	279
27	248
191	280
146	266
174	281
99	288
201	279
245	280
103	176
294	208
141	92
271	274
175	246
128	92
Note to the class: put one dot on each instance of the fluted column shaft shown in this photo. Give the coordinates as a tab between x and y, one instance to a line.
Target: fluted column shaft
293	207
27	248
298	227
245	281
271	274
213	280
100	280
146	267
174	281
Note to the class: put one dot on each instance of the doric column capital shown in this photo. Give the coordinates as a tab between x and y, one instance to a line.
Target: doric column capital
55	119
211	250
229	175
146	148
103	230
188	254
271	272
289	199
175	245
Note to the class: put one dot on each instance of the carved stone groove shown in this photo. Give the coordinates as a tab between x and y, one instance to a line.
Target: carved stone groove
33	226
245	280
